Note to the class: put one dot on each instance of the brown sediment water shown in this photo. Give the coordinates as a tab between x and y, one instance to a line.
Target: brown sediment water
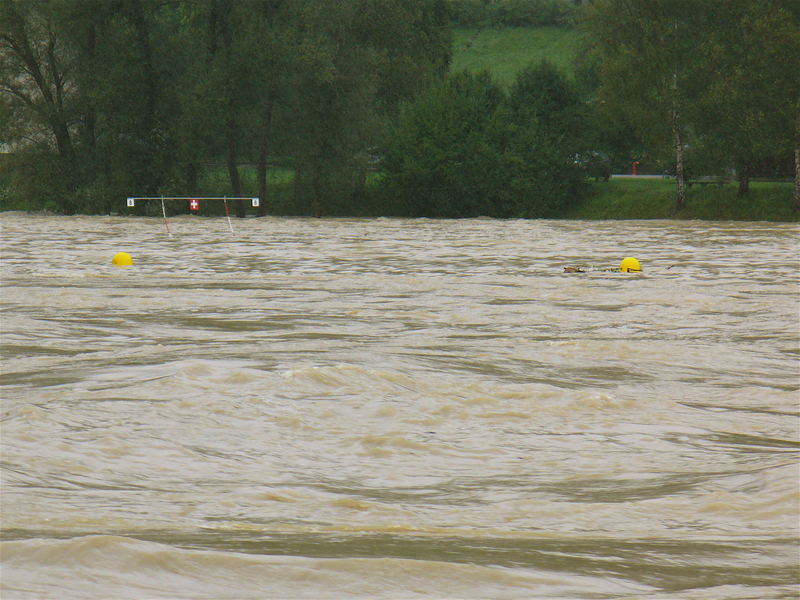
389	408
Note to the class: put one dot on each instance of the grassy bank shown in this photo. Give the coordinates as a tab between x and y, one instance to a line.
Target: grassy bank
621	198
505	52
282	197
655	199
615	199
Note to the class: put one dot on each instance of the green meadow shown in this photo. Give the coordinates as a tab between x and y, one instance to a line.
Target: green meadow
505	52
655	199
620	198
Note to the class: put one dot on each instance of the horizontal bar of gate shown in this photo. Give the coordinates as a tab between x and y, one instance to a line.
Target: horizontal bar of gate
132	199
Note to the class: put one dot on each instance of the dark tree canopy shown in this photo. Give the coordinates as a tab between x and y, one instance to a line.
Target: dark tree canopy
101	99
114	97
466	148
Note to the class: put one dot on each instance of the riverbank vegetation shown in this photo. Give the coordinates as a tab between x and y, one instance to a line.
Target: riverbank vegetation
631	198
505	108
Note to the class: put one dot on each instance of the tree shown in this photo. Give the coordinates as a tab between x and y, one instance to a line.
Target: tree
412	43
35	77
550	130
354	64
724	71
464	148
275	34
751	83
649	58
229	69
135	100
441	159
85	97
114	97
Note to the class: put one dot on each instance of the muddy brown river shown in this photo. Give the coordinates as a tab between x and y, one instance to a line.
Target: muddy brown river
389	408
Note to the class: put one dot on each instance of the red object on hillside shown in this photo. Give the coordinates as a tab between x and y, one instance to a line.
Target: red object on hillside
194	204
635	167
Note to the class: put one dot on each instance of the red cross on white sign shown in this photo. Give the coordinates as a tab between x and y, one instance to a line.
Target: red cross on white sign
194	205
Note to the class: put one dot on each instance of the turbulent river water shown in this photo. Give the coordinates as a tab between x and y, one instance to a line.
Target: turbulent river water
387	408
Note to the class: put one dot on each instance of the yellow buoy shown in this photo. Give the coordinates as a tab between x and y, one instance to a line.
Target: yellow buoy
630	264
122	259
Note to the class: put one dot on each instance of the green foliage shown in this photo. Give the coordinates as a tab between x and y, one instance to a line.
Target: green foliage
410	43
549	124
102	99
88	100
344	92
440	161
133	96
749	87
714	82
542	95
33	181
466	149
649	54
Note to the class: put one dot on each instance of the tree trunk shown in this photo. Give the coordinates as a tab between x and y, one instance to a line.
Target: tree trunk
797	178
147	119
315	190
89	124
53	106
797	160
680	167
298	186
266	126
743	172
677	139
233	166
360	193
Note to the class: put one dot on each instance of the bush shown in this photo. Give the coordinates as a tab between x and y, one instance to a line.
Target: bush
35	181
441	160
465	149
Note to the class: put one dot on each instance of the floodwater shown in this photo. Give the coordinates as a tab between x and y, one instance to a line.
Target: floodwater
387	408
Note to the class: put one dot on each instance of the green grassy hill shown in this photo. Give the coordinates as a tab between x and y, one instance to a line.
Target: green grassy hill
504	52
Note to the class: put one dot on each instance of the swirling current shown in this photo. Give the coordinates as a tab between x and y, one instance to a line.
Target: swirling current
390	408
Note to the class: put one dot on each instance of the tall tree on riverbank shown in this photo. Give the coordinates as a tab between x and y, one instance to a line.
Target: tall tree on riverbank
649	59
35	77
231	79
276	32
750	81
83	85
717	73
356	60
548	125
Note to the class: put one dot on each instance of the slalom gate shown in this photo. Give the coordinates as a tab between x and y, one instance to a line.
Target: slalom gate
194	205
